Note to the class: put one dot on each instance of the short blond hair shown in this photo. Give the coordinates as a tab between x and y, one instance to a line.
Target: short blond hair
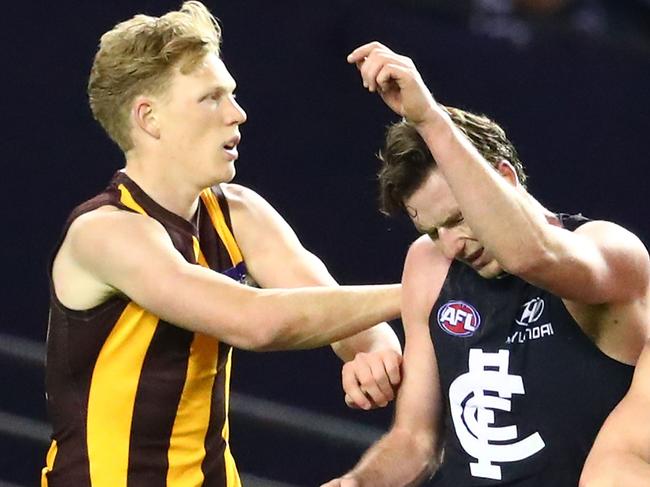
137	56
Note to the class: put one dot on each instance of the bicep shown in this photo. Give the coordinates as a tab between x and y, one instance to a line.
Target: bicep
134	255
627	428
600	262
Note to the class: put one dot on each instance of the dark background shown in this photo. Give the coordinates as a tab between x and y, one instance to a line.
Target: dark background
570	88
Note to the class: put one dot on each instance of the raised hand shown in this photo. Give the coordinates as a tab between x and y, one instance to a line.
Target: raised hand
397	81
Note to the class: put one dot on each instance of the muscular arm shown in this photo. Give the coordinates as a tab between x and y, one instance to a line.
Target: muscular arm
600	263
410	451
276	258
620	456
133	255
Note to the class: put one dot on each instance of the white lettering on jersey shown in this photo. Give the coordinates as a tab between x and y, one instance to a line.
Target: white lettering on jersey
534	333
473	415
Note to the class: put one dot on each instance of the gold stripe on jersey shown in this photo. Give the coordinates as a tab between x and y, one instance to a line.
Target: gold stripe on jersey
232	476
127	200
219	222
111	399
187	442
226	236
198	254
49	463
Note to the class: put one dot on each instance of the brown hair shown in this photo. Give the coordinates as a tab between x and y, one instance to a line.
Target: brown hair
407	161
137	56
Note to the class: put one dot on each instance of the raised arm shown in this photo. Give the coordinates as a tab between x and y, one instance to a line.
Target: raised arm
620	456
410	451
275	257
599	263
114	251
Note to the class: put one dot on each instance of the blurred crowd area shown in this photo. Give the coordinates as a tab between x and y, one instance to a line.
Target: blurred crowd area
524	21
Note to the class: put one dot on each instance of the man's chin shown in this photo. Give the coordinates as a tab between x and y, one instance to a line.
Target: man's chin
491	270
227	175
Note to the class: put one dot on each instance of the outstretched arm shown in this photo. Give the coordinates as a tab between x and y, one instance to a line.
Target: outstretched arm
599	263
620	456
275	257
113	251
410	451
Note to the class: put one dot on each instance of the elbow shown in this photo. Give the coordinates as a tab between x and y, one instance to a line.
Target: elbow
424	449
264	337
271	323
268	334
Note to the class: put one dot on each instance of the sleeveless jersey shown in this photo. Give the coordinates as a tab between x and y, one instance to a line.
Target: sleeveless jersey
135	401
525	390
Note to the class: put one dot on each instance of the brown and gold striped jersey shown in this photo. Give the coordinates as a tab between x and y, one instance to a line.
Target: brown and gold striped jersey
135	401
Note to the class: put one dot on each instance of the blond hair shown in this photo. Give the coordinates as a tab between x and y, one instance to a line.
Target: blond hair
137	56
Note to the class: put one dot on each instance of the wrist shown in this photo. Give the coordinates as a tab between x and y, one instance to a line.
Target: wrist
434	119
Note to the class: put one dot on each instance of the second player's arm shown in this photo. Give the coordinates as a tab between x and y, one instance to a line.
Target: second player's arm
620	456
275	257
410	451
133	255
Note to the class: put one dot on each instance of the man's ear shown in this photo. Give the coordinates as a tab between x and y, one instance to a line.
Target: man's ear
144	116
508	171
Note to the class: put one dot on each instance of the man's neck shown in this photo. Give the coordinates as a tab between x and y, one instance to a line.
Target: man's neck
173	194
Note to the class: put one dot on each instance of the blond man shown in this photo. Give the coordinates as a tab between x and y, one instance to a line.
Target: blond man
148	294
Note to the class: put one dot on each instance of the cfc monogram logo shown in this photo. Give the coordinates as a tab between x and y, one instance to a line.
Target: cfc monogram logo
473	413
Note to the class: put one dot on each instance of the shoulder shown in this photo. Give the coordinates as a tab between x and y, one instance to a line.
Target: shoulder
602	229
110	219
619	246
249	209
425	265
425	271
90	234
424	253
236	194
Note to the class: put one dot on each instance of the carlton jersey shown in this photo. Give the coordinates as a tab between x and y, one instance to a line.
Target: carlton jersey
136	401
525	390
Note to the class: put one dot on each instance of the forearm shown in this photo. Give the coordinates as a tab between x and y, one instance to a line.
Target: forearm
314	317
379	337
502	217
398	459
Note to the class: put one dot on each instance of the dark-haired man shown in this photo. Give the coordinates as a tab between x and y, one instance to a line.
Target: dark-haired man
521	324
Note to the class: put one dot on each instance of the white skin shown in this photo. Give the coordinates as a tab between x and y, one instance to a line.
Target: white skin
185	140
620	456
601	271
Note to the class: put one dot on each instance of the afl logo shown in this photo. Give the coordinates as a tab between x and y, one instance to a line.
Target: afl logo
459	319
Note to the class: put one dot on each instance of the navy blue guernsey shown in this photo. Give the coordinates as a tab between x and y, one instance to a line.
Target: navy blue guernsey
525	390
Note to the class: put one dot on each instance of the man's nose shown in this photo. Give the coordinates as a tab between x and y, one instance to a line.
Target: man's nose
450	241
237	114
